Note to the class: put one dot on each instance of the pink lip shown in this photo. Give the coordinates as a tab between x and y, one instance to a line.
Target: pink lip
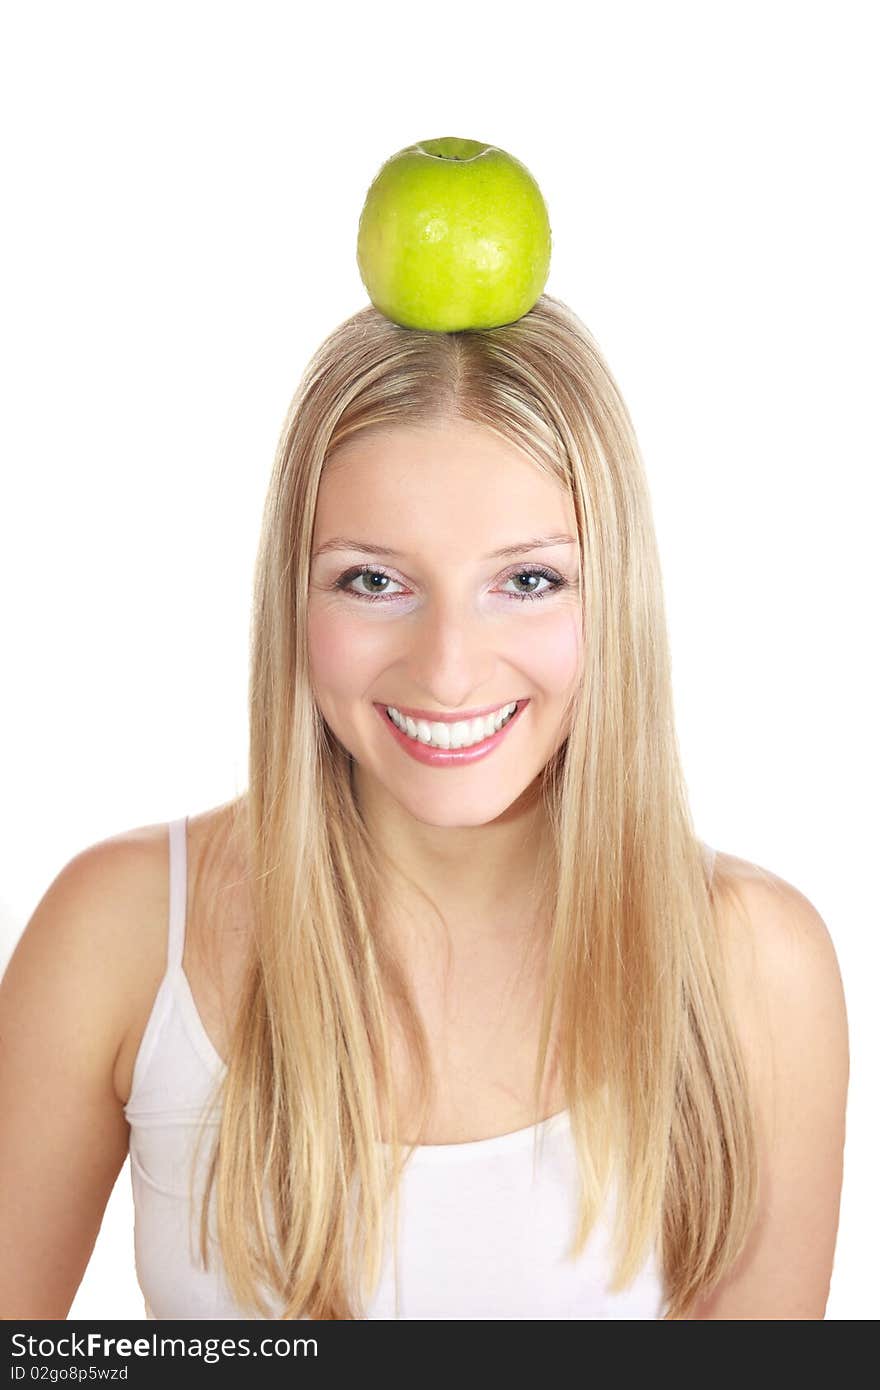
434	718
452	757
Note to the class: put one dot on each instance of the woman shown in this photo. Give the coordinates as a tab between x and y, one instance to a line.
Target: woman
492	1010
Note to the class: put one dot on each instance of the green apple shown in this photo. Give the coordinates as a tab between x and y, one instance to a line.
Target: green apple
453	234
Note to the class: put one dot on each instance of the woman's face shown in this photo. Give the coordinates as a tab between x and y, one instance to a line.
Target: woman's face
441	626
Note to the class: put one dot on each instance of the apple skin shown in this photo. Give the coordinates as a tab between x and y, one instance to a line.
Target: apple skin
453	234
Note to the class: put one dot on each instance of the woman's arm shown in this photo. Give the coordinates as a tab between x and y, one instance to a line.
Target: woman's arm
791	1015
64	1010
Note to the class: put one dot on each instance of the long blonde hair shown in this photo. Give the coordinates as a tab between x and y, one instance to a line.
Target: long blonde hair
653	1076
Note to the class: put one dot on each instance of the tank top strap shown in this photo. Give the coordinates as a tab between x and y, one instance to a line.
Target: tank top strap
177	893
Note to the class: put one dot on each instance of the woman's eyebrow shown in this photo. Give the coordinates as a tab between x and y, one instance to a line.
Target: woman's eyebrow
536	543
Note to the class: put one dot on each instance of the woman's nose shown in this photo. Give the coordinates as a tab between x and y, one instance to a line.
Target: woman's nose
452	653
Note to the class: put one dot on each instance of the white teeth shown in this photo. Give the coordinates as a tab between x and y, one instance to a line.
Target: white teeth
462	734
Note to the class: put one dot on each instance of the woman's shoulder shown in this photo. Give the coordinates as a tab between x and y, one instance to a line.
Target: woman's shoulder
768	923
789	1012
779	957
79	965
114	884
126	877
136	862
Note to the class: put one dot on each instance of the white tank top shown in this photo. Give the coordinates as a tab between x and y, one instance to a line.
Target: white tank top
482	1235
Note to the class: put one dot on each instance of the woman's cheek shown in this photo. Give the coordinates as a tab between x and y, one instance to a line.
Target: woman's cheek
342	649
553	651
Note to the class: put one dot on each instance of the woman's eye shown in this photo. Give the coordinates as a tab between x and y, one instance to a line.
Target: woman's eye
530	577
553	581
348	579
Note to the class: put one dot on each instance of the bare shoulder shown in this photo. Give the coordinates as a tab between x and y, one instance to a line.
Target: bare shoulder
789	1009
102	894
107	913
99	915
212	914
81	970
780	952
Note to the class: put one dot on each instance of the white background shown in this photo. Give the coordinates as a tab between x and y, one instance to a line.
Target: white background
182	185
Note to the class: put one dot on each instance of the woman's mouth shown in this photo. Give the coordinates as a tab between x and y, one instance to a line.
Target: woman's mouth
443	743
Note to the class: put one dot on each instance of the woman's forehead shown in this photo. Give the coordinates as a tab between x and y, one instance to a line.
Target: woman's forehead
417	481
